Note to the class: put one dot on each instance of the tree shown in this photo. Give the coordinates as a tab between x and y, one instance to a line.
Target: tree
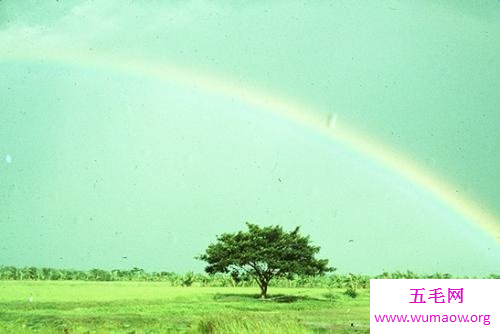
264	253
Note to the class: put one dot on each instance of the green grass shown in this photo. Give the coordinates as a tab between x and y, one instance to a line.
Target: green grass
145	307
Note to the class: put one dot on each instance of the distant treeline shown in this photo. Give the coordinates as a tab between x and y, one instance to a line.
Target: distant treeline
198	279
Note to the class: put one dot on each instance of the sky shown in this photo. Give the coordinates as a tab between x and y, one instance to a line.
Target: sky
131	134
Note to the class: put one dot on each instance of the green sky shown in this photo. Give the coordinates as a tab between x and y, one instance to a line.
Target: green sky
97	164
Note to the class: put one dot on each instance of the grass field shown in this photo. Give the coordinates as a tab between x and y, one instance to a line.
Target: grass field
145	307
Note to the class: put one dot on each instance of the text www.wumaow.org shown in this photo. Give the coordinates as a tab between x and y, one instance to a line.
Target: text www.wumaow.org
435	318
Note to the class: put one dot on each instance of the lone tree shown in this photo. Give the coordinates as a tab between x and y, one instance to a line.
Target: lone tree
264	253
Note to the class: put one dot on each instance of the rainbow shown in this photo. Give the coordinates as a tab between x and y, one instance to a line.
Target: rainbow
293	111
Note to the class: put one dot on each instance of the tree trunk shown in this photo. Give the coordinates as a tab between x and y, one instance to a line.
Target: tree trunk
263	290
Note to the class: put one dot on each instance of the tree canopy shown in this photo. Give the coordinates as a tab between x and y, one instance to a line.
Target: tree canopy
264	253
